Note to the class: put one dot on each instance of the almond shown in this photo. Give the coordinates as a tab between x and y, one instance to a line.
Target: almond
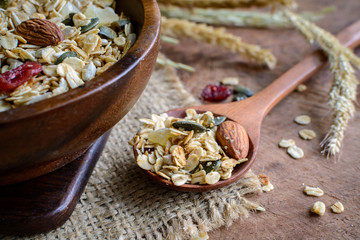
233	139
40	32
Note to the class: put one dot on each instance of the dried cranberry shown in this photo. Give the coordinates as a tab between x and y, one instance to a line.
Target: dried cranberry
215	93
17	76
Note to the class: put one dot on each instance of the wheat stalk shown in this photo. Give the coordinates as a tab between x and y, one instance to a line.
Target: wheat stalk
234	17
342	95
218	37
162	60
343	91
228	3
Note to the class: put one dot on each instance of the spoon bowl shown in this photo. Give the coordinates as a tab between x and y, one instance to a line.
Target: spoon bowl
250	112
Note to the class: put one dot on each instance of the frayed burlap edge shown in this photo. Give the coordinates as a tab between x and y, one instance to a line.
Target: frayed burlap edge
120	202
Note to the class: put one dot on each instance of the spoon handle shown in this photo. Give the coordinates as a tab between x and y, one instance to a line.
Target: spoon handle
301	72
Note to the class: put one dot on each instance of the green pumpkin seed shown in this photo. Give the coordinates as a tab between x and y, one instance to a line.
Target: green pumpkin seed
107	32
239	97
213	166
69	21
189	126
120	23
65	55
93	23
219	120
244	90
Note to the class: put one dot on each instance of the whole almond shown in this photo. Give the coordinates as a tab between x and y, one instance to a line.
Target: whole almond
40	32
233	139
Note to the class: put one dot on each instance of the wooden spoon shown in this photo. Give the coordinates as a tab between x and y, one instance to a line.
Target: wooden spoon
251	112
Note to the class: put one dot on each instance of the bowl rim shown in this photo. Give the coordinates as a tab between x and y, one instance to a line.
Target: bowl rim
143	45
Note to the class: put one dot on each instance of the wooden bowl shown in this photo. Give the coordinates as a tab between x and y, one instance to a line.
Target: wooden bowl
42	137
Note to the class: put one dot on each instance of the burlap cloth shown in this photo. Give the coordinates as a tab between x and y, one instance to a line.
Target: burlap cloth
120	202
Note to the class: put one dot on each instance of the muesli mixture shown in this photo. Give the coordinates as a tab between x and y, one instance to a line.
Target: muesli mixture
184	151
48	47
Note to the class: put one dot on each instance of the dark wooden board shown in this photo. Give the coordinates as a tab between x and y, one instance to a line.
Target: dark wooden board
287	213
45	203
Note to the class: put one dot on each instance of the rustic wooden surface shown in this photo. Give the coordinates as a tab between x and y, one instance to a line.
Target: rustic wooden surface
288	215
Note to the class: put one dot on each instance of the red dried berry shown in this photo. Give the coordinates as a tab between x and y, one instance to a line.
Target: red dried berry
17	76
215	93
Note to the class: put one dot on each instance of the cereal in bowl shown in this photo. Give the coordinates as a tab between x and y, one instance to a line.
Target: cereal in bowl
49	47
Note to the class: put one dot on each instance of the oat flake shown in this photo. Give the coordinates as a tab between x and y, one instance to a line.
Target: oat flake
303	119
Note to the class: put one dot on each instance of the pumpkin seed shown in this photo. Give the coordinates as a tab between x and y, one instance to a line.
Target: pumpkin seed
4	3
107	32
211	166
219	120
93	23
243	90
120	23
69	21
65	55
239	97
188	126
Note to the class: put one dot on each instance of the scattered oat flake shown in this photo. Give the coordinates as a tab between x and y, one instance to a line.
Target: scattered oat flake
307	134
301	88
338	207
318	208
312	191
268	187
286	143
295	152
303	119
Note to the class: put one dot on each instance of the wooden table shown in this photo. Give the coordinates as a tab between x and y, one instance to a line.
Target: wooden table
287	213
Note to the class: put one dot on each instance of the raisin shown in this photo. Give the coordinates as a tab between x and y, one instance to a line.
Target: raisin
17	76
215	93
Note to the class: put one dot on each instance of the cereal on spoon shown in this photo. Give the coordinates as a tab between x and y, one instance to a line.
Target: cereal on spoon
184	151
